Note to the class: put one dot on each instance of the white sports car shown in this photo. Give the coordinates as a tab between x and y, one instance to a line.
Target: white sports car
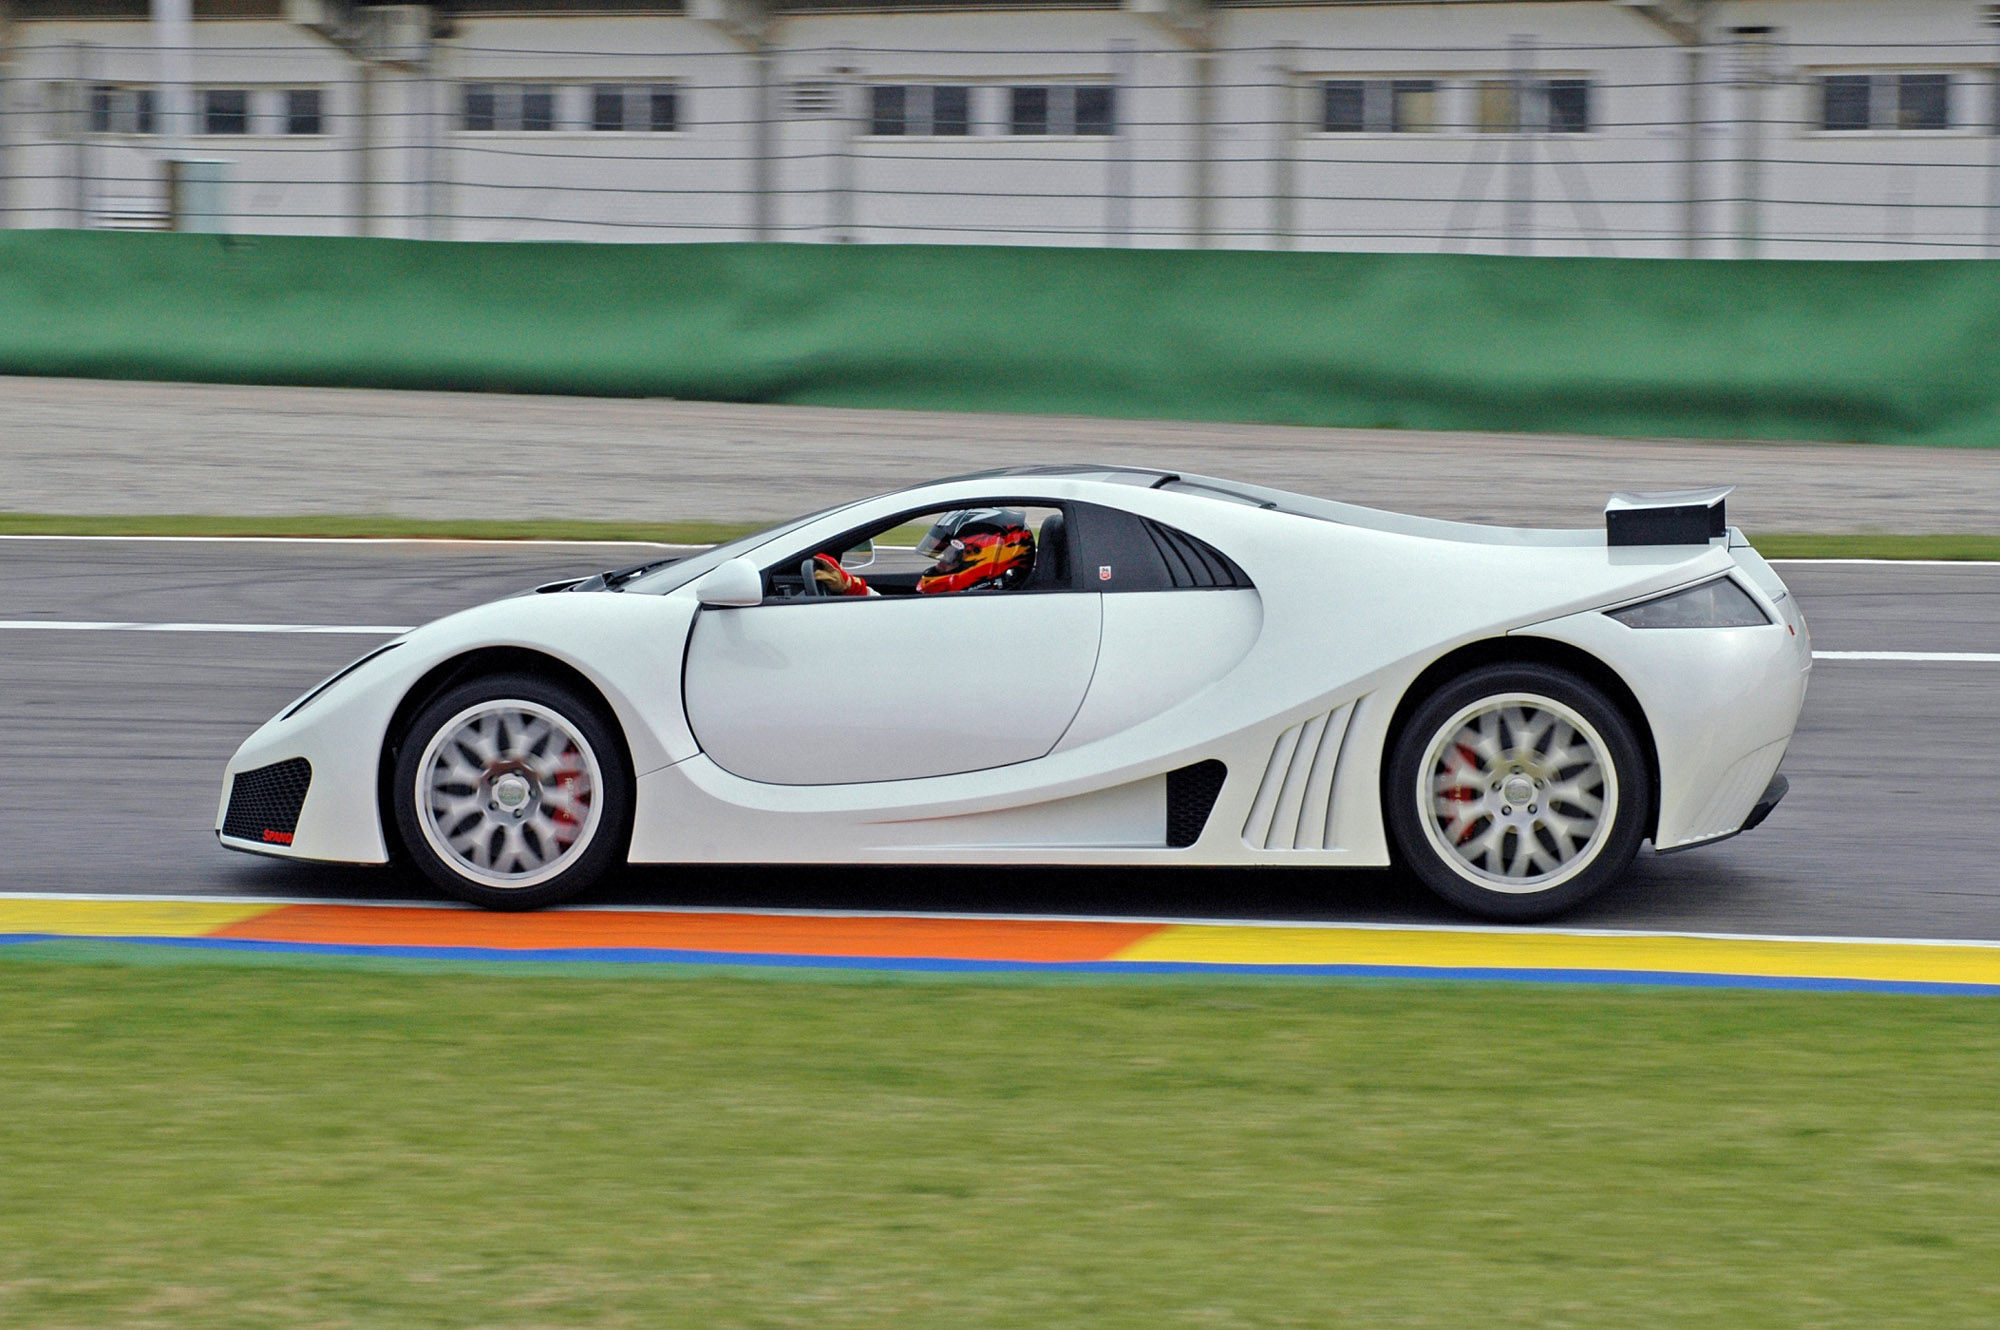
1076	665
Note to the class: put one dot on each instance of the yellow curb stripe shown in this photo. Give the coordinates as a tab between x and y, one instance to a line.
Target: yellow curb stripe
124	918
1442	949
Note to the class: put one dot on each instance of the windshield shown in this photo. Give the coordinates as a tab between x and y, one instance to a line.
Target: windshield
677	575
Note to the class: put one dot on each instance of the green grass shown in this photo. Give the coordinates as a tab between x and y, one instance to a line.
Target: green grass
279	1146
1782	545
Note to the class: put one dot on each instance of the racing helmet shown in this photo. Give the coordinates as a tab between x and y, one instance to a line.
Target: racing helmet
983	548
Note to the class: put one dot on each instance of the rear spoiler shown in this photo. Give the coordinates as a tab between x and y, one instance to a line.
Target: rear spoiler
1666	517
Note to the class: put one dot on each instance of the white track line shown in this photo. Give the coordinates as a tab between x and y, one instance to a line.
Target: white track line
1926	657
1900	563
1533	930
76	626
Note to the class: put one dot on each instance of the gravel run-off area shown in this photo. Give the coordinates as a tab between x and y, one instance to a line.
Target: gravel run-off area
95	446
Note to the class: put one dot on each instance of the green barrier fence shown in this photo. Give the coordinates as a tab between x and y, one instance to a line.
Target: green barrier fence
1876	352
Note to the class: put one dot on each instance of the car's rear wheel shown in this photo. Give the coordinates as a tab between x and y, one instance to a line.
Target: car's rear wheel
1517	791
512	792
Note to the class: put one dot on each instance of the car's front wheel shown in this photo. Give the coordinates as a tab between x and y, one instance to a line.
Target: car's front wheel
1517	791
512	792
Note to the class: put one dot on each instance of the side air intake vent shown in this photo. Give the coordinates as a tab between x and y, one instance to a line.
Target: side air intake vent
1293	809
1191	794
1193	563
264	804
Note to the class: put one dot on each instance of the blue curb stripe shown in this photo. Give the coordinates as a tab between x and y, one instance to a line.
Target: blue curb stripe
942	965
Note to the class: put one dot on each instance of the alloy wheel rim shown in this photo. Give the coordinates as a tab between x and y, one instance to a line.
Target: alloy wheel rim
1518	793
509	793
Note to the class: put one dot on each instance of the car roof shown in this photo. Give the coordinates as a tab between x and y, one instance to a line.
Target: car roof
1148	477
1298	505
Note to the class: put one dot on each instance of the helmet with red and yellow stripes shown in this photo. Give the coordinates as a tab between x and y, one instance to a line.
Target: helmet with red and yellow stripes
977	549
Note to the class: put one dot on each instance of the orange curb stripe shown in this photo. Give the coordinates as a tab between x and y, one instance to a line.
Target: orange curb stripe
759	934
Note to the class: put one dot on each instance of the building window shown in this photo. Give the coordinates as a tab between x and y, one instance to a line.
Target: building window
538	108
1378	106
1412	106
509	107
663	108
1843	102
1096	110
1569	105
1852	103
119	110
1479	105
1029	113
225	111
1089	109
1923	101
1344	107
479	106
304	111
634	108
888	110
938	110
1497	108
951	110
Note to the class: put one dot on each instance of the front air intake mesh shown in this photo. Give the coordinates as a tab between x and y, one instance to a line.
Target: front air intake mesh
264	804
1191	794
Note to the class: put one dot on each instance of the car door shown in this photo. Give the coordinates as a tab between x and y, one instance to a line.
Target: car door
833	691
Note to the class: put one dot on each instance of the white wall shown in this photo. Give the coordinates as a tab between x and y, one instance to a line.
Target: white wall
1275	181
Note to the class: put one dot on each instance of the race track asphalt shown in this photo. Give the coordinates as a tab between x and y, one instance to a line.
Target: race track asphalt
116	741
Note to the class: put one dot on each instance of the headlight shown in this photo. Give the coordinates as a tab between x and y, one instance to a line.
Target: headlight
334	678
1717	604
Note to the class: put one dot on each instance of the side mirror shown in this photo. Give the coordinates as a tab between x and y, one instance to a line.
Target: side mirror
734	585
860	556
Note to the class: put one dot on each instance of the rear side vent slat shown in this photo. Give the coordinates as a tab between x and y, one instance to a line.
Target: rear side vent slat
1191	795
1177	567
1293	809
1201	569
1193	564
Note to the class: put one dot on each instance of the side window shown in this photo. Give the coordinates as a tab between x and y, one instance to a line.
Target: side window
1120	551
994	548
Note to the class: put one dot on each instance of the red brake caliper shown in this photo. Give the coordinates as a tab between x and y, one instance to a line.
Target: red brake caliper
1466	794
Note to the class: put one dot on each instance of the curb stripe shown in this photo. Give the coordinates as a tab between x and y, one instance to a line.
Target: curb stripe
956	965
1251	945
881	937
1004	944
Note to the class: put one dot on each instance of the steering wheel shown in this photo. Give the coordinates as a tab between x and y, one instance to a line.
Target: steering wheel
809	579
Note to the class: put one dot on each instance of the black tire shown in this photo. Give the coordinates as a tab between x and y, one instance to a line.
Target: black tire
1444	798
584	768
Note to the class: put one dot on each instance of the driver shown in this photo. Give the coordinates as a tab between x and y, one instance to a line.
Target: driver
977	549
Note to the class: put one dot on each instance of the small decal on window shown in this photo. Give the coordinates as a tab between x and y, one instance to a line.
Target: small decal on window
1104	572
